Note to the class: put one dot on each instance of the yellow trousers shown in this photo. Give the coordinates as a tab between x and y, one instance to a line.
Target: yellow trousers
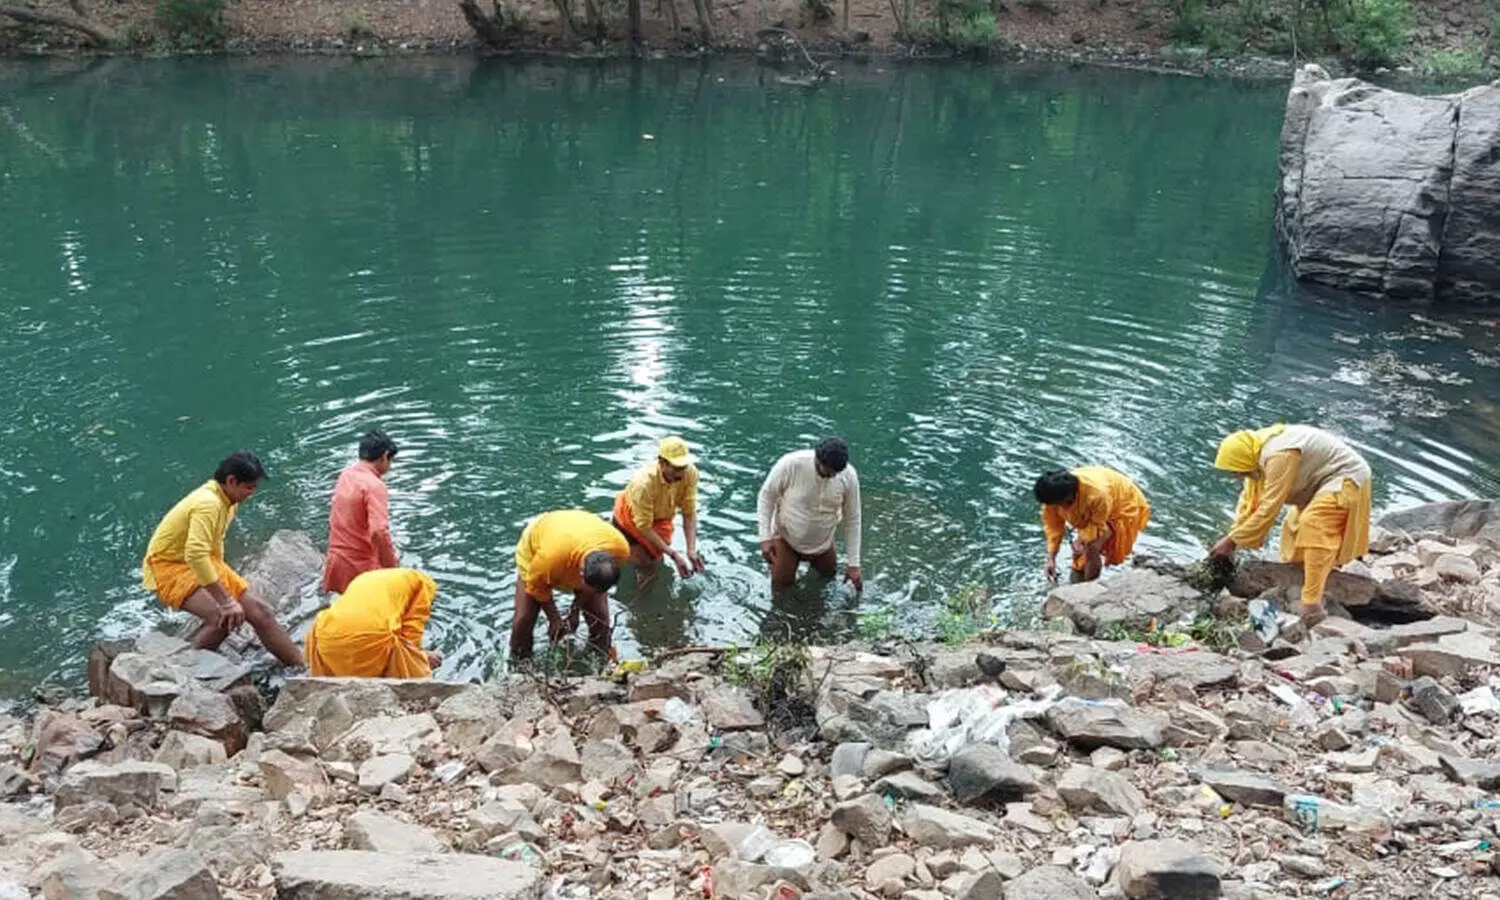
1330	531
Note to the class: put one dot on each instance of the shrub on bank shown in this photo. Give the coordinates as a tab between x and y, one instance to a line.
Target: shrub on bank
192	24
1364	33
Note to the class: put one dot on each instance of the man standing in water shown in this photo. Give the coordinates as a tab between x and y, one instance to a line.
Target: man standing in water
576	551
1105	509
645	508
800	505
359	519
1324	480
185	568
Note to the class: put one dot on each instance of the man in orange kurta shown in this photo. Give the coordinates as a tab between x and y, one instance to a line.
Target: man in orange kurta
576	551
359	519
1105	509
375	629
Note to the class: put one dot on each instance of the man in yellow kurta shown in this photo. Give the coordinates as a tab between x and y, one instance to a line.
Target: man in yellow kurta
572	550
1105	509
185	568
645	509
374	629
1326	483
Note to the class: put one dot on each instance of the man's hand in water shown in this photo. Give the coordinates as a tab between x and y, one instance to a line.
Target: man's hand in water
683	567
1223	549
852	576
1051	569
768	552
696	559
434	658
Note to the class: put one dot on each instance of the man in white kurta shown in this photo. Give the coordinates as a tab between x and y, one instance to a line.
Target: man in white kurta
803	500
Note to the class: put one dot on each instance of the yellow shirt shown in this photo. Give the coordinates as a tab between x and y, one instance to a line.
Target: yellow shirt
1104	495
192	532
551	551
652	499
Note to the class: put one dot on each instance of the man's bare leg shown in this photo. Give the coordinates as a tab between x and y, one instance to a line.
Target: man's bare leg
272	635
784	563
645	565
201	604
595	608
826	563
522	624
1093	565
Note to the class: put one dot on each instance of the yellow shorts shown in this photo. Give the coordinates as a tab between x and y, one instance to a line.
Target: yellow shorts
175	581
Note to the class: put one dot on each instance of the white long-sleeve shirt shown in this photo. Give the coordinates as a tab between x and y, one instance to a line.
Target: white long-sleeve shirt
803	508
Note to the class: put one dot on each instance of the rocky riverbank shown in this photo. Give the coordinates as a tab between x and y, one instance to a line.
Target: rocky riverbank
1355	761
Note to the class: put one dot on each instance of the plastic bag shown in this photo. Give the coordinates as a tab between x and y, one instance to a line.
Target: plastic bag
970	715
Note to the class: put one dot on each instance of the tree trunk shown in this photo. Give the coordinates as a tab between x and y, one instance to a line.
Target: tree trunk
491	29
846	16
705	20
568	27
635	26
98	33
673	16
596	21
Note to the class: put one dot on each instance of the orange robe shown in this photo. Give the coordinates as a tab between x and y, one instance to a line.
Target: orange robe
1106	499
375	629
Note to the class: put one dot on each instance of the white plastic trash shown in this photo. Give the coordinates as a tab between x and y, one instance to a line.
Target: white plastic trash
677	712
792	853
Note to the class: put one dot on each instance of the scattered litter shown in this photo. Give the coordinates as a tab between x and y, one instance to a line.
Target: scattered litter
974	715
677	712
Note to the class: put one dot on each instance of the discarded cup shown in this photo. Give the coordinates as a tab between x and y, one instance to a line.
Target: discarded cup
793	853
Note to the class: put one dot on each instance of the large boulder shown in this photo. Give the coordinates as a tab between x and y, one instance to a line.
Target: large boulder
1391	194
1130	599
1364	597
1459	519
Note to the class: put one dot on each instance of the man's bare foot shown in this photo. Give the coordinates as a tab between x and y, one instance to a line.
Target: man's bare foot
1312	614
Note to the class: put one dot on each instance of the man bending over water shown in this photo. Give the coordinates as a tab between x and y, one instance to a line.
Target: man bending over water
185	568
574	550
1105	509
800	505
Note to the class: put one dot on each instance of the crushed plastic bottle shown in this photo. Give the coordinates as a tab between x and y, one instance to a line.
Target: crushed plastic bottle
1316	814
1263	620
753	847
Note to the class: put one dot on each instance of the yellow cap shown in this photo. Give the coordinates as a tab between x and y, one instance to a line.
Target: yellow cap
675	451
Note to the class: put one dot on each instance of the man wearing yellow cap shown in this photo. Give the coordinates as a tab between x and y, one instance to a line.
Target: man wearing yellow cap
645	508
1326	483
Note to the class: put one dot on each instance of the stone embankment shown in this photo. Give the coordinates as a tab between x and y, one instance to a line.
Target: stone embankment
1355	761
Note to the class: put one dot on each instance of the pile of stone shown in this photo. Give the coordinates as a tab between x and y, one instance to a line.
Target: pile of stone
1354	761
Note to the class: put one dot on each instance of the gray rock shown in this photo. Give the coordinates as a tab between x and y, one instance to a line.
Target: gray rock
1395	601
1460	569
1481	773
866	819
1427	631
553	762
887	875
1086	789
287	564
370	830
1248	788
74	873
501	816
377	772
165	875
13	782
1458	519
181	750
382	735
213	715
1452	656
880	763
1390	194
729	708
126	786
285	774
1167	870
609	762
1435	702
362	875
848	759
940	829
1130	599
907	786
1049	883
1092	724
61	739
980	771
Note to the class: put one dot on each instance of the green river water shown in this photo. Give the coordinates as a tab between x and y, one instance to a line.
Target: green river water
528	272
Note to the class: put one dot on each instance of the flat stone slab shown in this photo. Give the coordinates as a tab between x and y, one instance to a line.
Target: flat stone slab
1391	601
1130	599
364	875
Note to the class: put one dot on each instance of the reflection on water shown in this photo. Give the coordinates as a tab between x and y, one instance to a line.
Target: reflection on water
972	274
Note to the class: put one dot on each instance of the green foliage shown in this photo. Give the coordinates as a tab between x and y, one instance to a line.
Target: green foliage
1217	634
965	614
1461	62
877	624
1364	33
962	26
192	24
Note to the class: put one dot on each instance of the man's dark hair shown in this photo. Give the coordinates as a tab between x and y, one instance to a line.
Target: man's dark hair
376	444
833	453
245	466
601	571
1056	488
